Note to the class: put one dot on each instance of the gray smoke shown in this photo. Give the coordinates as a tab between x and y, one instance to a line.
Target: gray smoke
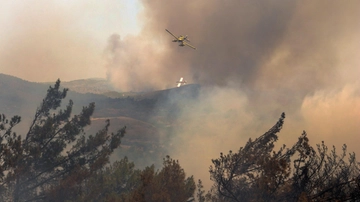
254	59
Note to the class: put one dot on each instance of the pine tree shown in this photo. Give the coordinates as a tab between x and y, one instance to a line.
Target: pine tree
168	185
200	192
248	174
112	183
55	156
258	173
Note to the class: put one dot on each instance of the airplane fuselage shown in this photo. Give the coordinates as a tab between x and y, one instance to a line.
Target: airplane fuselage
180	39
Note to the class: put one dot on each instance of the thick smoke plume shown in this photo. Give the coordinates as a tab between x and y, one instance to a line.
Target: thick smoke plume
254	59
262	44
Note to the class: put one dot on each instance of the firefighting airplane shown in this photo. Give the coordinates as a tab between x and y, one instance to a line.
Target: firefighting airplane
181	82
181	39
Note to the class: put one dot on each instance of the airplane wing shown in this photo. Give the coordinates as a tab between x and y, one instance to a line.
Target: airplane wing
189	45
171	34
180	82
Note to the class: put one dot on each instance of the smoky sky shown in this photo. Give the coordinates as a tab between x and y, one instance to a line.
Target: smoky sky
254	60
258	44
279	55
43	40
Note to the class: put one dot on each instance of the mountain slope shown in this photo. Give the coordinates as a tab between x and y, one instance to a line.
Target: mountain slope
95	86
148	116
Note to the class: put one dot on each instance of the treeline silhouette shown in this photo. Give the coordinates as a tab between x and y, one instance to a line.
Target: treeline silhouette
56	161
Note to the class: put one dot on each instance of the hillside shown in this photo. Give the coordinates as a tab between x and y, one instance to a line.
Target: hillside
148	116
95	86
